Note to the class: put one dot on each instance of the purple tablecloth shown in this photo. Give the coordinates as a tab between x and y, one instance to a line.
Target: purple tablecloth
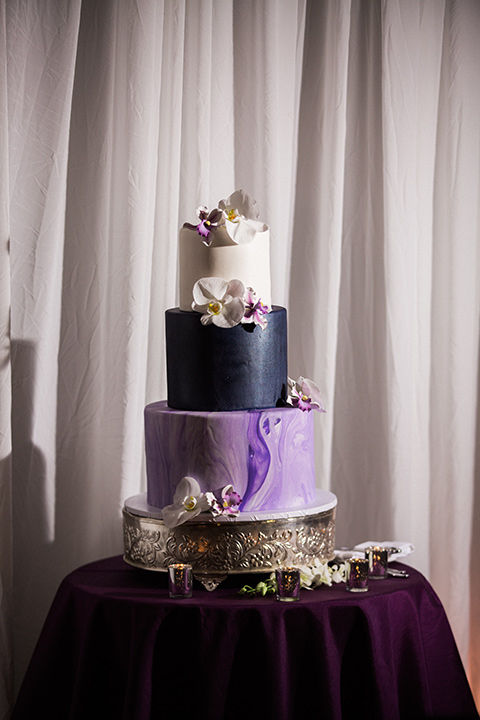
115	646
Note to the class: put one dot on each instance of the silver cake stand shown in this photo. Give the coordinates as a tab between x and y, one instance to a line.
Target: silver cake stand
251	543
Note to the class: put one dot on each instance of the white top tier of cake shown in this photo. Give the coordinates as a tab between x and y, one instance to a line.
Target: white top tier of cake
249	263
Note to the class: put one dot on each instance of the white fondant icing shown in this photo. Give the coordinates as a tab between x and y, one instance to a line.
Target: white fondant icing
225	259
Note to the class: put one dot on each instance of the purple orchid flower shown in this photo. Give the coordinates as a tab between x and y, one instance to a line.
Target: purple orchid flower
209	222
305	395
230	501
255	310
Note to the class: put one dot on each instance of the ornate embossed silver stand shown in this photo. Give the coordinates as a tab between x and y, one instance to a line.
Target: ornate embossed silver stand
252	543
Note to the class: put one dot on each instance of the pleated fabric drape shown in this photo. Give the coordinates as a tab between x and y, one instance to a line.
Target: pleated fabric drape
355	126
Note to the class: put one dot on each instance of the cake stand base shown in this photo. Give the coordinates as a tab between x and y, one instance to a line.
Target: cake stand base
248	544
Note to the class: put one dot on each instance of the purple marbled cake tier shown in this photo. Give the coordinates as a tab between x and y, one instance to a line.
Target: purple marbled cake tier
267	455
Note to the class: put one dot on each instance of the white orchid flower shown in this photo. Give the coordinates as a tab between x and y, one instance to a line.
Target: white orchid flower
221	302
188	502
306	577
240	213
322	574
338	573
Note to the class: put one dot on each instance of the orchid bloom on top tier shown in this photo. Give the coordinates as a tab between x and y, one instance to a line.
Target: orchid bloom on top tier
240	214
221	302
209	222
304	394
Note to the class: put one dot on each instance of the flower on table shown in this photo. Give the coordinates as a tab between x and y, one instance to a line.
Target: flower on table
188	502
240	214
209	222
338	573
311	577
255	310
321	573
221	302
306	577
304	394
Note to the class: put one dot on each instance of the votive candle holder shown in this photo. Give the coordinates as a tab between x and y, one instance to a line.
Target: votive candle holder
288	584
377	562
357	574
180	580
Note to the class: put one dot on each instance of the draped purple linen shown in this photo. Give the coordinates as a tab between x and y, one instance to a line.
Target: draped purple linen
116	646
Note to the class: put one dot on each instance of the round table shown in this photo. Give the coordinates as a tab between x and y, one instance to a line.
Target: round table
114	645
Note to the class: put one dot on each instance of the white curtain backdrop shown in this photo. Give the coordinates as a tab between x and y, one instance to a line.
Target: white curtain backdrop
356	126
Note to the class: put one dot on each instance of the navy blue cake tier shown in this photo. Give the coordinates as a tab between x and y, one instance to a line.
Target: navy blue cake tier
215	369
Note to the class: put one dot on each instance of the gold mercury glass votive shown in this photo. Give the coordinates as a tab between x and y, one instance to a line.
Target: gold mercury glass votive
357	574
377	562
180	580
288	584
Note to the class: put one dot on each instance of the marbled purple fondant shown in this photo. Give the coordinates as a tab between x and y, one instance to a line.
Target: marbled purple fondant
267	455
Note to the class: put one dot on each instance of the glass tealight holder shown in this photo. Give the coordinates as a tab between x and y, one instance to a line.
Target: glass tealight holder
357	574
180	580
377	562
288	584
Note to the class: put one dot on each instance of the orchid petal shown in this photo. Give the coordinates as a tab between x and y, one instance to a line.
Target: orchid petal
207	319
207	239
207	289
187	486
188	502
241	217
250	296
173	516
235	289
261	320
311	390
203	503
241	201
226	491
243	231
231	315
203	230
215	215
202	212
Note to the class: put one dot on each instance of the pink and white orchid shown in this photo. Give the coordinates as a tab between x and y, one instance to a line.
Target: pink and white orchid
255	310
304	394
230	501
240	214
221	302
209	222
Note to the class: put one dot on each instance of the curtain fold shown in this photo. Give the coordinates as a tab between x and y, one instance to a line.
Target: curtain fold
6	527
455	311
40	56
317	232
355	126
